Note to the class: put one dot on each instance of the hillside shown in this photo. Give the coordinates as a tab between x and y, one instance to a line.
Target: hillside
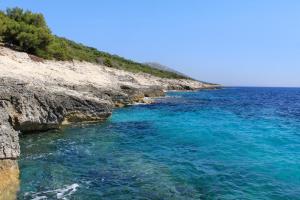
159	66
28	32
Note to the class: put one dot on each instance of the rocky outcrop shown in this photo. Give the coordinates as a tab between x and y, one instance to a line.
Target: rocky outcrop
9	140
34	108
137	95
27	108
39	96
9	152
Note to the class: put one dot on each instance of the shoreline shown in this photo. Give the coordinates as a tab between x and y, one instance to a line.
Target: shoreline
41	96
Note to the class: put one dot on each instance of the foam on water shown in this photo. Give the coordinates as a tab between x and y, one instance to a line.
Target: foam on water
61	193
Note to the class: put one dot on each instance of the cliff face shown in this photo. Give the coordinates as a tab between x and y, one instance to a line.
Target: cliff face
38	96
9	152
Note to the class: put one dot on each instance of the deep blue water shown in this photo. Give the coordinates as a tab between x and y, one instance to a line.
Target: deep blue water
233	143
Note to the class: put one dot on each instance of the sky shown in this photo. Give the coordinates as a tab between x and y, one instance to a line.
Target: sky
230	42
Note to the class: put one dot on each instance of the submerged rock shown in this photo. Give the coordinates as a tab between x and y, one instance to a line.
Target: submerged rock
9	179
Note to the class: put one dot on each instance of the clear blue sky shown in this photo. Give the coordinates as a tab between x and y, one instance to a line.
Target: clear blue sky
232	42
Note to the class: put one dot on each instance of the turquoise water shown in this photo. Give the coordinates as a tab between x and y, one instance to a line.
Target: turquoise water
234	143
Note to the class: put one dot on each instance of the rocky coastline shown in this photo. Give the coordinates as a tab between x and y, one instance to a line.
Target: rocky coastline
40	96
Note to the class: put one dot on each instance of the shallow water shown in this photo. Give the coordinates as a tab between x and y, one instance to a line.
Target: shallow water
234	143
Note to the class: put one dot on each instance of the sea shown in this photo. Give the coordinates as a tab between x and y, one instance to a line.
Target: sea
230	143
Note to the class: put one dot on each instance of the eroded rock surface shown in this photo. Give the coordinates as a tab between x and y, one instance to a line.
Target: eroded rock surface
9	152
39	96
34	108
9	140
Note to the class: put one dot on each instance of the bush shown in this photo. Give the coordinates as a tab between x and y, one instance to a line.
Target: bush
25	30
58	50
27	17
107	63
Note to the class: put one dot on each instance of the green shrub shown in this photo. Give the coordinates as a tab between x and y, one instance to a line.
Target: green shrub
25	30
58	50
107	62
27	17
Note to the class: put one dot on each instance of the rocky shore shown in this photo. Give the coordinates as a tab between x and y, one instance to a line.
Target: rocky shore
42	95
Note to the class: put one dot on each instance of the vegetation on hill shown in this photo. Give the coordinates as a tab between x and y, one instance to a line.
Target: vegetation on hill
27	31
164	68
